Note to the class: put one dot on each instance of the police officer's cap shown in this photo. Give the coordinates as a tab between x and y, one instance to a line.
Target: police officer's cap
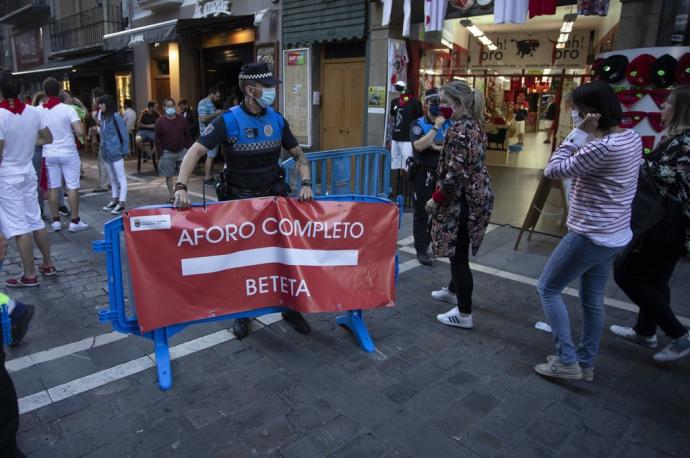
260	73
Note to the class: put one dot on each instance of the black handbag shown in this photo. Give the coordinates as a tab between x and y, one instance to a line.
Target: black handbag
648	209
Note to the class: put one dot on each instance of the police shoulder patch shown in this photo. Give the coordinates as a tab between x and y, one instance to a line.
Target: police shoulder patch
208	131
416	129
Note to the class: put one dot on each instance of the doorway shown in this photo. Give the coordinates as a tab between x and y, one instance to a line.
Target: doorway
222	68
342	114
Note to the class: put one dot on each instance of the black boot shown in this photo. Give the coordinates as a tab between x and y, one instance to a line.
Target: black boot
241	328
297	321
20	317
424	258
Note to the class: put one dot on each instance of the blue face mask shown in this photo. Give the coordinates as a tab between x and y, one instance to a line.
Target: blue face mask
434	109
268	96
170	111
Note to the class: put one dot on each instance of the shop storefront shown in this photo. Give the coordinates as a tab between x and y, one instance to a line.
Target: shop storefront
182	52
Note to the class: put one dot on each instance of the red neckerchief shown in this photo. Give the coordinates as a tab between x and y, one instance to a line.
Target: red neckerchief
50	102
17	106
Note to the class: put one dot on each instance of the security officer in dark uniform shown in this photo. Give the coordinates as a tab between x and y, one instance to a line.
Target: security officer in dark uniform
427	135
253	134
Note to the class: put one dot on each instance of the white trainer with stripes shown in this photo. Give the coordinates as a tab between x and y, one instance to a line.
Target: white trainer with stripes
453	317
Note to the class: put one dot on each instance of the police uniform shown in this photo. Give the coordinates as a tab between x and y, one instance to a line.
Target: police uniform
253	143
423	178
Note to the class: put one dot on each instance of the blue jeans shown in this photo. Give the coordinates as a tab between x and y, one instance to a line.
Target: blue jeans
576	256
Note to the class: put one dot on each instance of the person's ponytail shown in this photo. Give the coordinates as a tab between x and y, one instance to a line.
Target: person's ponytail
478	107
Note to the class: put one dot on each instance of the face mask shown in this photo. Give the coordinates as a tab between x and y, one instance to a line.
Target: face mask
268	96
434	109
446	111
170	111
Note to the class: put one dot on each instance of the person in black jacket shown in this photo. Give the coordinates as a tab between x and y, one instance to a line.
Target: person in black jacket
644	274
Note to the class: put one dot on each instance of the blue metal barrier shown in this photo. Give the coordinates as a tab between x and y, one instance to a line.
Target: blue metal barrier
127	322
332	172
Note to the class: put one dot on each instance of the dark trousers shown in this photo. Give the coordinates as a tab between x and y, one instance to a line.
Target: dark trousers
9	412
422	186
644	276
461	279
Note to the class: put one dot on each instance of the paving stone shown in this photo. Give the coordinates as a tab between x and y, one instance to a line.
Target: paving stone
363	445
605	422
305	447
268	439
312	415
482	442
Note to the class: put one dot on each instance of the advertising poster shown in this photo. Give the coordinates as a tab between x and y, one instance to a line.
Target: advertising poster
297	93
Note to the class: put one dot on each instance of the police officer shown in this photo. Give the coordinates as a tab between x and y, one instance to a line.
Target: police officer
427	135
253	134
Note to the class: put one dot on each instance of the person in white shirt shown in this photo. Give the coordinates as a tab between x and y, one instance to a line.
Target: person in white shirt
62	156
129	116
21	128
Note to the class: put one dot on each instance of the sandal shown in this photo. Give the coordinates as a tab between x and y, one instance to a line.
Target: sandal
47	271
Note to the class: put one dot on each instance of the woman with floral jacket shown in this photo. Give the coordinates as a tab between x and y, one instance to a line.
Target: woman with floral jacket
645	273
463	200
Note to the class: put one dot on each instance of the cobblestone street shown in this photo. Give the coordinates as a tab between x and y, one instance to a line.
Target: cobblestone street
428	390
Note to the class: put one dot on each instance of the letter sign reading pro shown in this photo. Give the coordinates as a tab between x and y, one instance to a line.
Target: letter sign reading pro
248	254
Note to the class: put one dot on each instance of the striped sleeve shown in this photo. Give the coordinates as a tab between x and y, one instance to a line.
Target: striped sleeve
571	159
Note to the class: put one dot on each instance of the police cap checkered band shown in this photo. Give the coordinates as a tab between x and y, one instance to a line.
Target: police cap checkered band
258	76
258	72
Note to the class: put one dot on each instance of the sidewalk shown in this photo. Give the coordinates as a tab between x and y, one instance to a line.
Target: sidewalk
428	390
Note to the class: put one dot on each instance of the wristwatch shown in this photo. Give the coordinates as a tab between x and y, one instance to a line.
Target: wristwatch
306	182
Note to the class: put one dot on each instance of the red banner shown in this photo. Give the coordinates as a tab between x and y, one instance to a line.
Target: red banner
248	254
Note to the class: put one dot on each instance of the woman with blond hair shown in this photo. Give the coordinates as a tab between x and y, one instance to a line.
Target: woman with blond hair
462	202
645	273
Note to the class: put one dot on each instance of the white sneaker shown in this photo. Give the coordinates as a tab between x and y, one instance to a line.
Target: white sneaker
117	210
632	336
453	317
444	295
678	348
56	226
110	206
76	227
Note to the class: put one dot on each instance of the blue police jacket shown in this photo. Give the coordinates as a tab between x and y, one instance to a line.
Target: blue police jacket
256	143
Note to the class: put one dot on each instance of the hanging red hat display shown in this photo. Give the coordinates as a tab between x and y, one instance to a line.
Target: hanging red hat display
630	97
682	73
631	119
639	71
655	121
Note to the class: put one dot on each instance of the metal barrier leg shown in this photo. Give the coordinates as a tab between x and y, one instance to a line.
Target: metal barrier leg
160	337
355	323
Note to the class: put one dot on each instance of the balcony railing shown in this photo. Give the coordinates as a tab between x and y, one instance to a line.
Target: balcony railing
85	29
14	11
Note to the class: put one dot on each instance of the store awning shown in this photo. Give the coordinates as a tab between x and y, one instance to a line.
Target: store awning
161	31
308	21
61	65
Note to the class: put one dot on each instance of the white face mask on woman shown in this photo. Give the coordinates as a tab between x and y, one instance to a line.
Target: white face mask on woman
575	115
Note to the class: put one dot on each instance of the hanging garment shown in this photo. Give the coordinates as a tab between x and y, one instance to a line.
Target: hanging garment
541	8
630	97
407	13
592	7
434	14
654	119
659	96
510	11
631	119
397	62
387	7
